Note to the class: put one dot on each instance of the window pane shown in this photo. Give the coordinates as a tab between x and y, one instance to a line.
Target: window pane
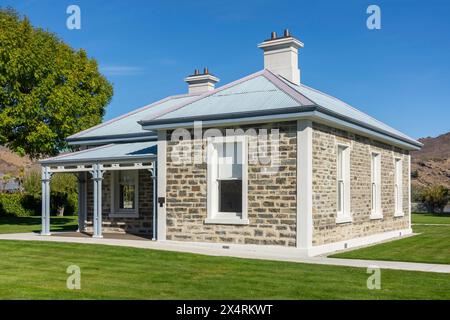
398	185
229	165
126	190
374	167
374	196
340	196
340	162
398	171
230	195
126	197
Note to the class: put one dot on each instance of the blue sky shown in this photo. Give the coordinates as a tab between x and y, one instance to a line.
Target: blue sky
399	74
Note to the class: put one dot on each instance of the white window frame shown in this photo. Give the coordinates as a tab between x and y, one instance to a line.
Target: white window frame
213	215
375	186
116	212
344	215
398	187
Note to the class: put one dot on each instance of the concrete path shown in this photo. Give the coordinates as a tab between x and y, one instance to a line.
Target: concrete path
239	251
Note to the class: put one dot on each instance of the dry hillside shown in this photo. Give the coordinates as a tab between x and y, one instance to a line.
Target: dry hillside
431	165
11	163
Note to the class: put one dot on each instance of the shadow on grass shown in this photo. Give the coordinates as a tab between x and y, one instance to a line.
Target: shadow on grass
429	214
34	223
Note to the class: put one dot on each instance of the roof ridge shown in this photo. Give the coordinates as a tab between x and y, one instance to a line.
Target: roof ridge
143	108
280	83
204	95
245	92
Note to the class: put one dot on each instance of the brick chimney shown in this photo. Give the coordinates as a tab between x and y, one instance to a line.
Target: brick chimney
201	82
281	55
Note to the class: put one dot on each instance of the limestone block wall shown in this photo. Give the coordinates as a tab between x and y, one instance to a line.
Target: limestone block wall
139	225
271	197
325	229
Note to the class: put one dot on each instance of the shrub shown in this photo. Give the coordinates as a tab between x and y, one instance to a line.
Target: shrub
16	204
435	198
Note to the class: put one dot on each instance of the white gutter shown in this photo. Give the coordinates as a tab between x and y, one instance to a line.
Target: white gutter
315	116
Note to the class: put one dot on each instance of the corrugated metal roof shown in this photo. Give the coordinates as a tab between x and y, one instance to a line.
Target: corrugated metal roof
136	150
260	92
335	105
264	91
257	93
128	123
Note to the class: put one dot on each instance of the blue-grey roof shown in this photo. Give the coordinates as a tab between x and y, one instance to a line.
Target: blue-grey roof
127	125
109	152
264	93
257	93
340	107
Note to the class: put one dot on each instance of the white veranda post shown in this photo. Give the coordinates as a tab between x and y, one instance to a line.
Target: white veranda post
97	177
46	176
154	200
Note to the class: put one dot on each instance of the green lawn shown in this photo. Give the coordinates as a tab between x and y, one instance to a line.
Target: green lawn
431	245
428	218
33	224
37	270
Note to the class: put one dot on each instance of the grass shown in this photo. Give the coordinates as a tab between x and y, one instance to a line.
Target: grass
10	224
37	270
429	218
431	245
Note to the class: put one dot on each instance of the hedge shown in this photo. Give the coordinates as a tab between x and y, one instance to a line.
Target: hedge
19	205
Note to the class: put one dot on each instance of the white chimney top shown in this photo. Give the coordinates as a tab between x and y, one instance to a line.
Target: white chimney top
281	56
201	82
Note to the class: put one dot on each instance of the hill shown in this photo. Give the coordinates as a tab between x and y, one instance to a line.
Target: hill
431	164
10	162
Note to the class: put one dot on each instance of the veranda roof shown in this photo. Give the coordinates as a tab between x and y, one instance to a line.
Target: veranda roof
127	126
129	152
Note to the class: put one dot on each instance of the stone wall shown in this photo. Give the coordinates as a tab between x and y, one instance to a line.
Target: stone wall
325	186
139	225
271	197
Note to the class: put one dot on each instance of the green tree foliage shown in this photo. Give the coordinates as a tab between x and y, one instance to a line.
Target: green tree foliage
417	193
435	198
32	183
64	192
48	90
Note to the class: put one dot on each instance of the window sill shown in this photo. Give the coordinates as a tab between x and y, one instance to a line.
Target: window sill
399	214
346	219
234	221
376	216
124	215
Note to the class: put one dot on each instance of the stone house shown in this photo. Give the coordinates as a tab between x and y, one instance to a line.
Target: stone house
264	162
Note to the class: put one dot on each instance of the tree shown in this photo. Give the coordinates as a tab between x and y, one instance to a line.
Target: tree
435	198
48	90
32	183
21	177
63	187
